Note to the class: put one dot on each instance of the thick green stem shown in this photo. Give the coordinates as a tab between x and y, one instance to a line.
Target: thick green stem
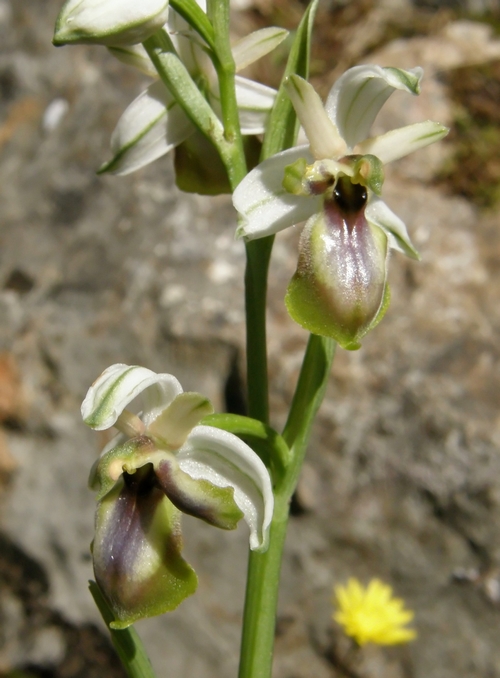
264	568
193	14
218	13
258	256
226	70
182	86
257	643
126	642
309	394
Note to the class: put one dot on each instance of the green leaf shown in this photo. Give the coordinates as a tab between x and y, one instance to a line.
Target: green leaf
264	440
191	12
282	127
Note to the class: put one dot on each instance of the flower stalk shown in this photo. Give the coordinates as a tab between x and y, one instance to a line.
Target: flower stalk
179	82
264	568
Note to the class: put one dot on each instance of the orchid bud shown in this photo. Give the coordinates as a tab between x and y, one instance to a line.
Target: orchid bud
109	22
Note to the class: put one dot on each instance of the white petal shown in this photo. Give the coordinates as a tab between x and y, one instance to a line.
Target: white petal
264	204
399	142
118	385
226	461
136	56
109	22
151	126
254	103
359	94
257	44
324	138
378	213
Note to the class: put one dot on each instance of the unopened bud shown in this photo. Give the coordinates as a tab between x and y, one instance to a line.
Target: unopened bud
109	22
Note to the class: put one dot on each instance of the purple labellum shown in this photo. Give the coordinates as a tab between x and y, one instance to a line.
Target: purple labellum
351	258
338	289
130	521
136	550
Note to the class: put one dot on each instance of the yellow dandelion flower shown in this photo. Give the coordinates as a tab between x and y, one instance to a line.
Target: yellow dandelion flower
371	614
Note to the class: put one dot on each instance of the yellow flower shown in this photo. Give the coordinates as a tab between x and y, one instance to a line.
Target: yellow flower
371	614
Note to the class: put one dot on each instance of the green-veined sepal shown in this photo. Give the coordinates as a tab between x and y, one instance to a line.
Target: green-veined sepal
109	22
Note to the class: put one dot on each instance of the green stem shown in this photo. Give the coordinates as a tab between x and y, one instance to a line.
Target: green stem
126	642
192	13
264	568
185	91
309	394
259	252
257	642
218	12
258	256
280	134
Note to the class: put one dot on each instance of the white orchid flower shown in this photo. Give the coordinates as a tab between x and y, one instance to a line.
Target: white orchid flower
340	287
154	123
109	22
163	463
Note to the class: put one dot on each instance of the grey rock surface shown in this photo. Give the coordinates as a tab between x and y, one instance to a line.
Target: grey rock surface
402	480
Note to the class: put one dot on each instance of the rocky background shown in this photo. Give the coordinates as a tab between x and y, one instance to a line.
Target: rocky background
403	477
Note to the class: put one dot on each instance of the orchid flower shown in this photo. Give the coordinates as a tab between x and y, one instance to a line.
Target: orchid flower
109	22
161	464
154	123
340	286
